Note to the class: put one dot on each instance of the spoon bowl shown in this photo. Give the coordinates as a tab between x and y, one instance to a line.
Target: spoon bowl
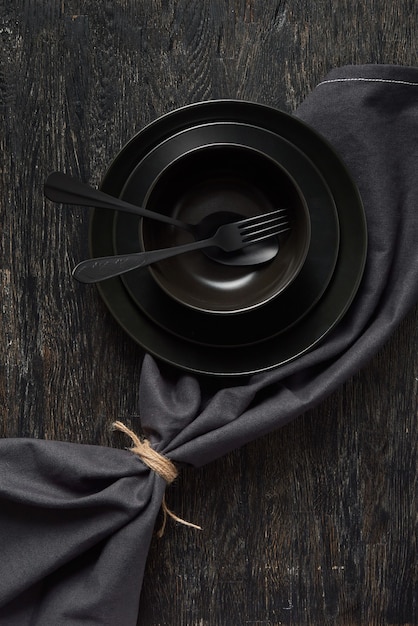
256	254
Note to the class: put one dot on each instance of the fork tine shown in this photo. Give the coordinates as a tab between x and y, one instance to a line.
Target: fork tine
264	223
264	233
257	219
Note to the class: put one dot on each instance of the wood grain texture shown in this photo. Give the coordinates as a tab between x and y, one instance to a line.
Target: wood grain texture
314	524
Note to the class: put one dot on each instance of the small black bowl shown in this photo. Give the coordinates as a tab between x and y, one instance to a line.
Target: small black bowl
224	177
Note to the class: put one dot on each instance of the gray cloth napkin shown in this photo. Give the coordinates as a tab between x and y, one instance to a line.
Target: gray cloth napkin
76	521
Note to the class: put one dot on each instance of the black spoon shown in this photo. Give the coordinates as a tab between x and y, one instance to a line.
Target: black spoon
60	187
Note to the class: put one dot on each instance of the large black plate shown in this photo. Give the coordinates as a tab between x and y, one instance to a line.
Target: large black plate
287	308
313	327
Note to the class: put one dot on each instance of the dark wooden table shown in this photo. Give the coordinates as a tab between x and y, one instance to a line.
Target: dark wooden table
314	524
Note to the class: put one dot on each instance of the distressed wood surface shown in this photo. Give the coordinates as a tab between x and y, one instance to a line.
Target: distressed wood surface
314	524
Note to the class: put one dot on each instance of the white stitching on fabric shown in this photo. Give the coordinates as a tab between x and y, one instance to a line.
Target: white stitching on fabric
368	80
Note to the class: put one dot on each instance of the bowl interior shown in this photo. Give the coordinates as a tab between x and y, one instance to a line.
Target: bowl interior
223	177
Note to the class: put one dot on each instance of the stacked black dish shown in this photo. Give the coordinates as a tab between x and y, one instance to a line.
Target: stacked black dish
219	319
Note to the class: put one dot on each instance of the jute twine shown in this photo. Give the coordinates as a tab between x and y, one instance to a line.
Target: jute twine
159	464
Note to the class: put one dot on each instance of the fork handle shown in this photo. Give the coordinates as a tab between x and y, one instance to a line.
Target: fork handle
101	268
60	187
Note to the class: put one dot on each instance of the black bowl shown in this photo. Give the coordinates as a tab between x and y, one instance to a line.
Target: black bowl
232	178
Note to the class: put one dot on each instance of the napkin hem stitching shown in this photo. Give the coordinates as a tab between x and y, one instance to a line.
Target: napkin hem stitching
368	80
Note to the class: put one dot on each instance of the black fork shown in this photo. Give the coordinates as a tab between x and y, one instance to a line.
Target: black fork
229	237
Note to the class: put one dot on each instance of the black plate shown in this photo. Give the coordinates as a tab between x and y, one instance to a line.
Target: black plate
312	328
287	308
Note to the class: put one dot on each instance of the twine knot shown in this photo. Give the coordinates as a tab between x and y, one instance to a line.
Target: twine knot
159	464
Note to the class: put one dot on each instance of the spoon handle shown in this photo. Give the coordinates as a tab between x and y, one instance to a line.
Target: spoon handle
101	268
61	187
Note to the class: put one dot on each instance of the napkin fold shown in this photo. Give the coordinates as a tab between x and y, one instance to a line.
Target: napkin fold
76	520
75	526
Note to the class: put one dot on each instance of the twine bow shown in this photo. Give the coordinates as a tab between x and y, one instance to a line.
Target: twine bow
159	464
